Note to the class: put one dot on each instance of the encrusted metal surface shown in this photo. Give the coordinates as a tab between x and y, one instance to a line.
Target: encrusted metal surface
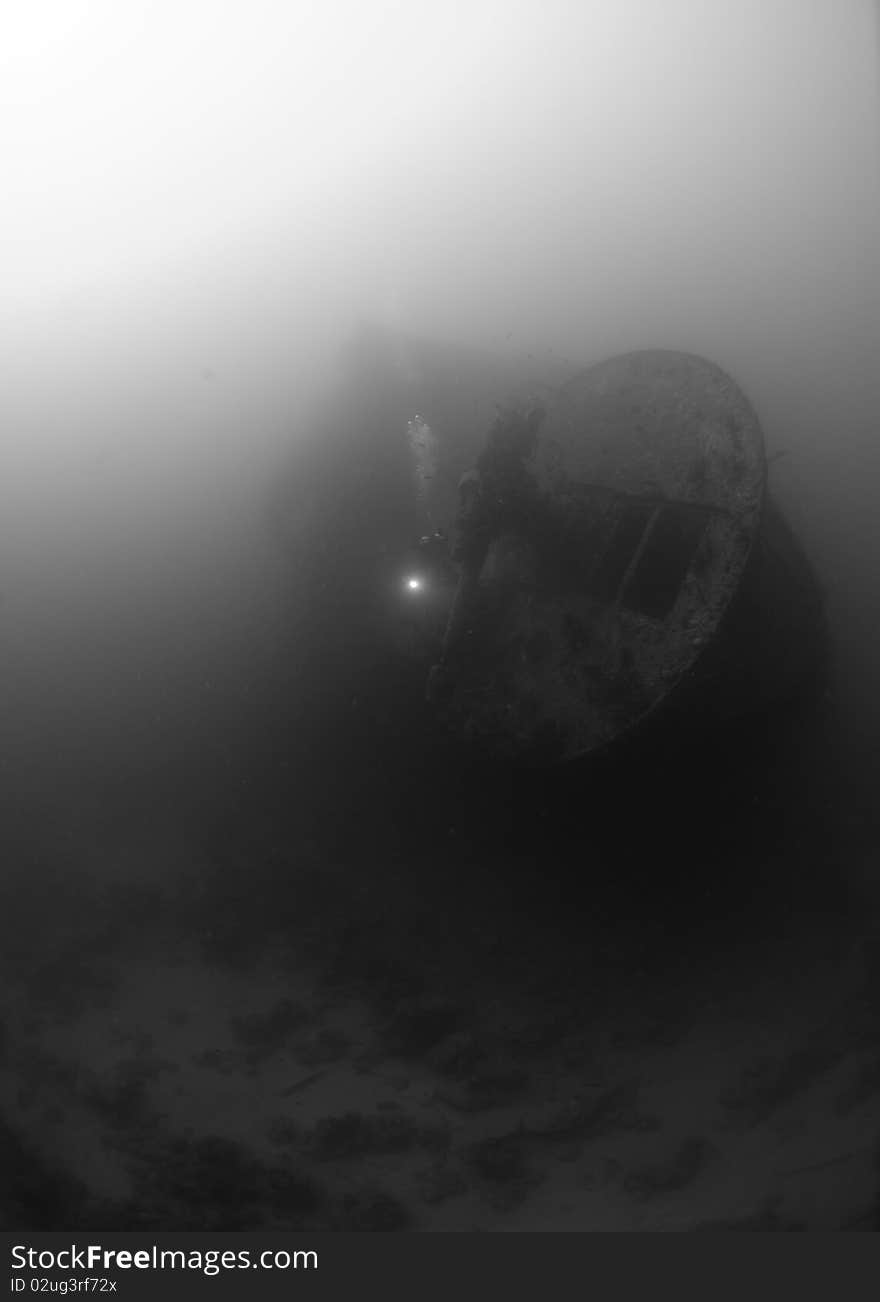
653	465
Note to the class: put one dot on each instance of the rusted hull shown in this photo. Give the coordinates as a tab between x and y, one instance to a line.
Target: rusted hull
674	588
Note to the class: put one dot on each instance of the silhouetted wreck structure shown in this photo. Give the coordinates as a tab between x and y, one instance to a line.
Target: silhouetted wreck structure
681	595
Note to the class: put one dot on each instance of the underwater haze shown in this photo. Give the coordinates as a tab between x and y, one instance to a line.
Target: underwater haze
278	951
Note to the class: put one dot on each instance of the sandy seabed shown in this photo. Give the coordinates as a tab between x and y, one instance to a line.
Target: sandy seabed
286	1040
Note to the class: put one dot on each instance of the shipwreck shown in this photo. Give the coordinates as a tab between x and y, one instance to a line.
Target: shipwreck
683	592
683	596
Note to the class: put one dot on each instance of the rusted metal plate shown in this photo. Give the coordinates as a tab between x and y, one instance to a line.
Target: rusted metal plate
653	465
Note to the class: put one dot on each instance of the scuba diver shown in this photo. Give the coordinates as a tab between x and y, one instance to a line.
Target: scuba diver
499	496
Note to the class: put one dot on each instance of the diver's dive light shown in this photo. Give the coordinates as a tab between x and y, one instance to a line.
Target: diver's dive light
434	573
